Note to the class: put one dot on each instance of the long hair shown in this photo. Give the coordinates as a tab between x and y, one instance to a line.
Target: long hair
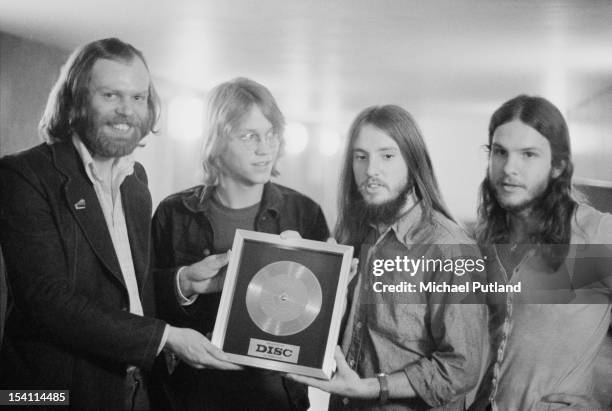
398	124
68	103
228	104
553	213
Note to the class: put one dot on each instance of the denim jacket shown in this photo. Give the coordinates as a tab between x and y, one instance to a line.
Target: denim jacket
182	235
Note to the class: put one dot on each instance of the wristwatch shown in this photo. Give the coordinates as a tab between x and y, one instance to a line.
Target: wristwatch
383	395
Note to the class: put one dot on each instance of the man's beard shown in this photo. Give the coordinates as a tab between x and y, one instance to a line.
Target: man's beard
385	213
99	143
528	204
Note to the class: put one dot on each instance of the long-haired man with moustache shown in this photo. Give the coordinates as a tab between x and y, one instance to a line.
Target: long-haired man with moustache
535	231
410	350
75	233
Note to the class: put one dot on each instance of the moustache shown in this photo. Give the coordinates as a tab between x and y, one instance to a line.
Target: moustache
510	182
132	121
372	181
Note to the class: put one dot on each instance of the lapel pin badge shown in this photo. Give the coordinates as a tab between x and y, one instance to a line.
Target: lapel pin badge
80	205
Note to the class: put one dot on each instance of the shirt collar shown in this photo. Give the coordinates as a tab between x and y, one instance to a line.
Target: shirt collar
122	166
403	227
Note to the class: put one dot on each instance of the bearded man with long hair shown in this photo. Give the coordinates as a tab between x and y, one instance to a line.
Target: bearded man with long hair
401	351
533	229
74	229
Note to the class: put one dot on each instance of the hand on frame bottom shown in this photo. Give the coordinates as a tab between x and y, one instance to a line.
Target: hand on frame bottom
195	350
345	381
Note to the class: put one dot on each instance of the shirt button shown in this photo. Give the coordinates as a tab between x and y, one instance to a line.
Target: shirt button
345	401
351	363
206	252
358	325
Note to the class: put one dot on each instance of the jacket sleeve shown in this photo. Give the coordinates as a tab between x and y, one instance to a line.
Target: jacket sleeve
165	269
42	278
3	296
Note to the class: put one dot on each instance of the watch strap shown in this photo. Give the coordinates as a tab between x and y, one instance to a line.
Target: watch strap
383	394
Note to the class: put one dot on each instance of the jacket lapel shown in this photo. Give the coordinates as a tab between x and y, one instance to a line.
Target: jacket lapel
136	202
84	205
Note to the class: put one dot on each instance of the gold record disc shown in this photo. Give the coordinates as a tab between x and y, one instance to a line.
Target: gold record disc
284	298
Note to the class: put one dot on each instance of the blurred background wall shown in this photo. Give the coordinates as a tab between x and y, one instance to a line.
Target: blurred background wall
28	69
450	64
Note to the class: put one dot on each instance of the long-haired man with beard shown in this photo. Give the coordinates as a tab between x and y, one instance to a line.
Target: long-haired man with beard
534	232
408	350
74	229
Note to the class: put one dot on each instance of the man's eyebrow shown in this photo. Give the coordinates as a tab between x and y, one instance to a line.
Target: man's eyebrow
378	149
497	145
253	129
119	90
529	148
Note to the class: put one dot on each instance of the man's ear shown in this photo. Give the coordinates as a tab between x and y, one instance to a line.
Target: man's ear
558	170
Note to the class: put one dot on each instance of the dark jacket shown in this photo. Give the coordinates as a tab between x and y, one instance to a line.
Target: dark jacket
70	327
3	296
183	235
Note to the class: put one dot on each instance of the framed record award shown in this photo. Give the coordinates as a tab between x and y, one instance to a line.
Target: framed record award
282	303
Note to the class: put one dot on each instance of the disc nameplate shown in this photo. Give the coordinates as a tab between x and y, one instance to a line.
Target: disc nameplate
274	350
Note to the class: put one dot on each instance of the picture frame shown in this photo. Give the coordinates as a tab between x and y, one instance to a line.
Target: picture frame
282	303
